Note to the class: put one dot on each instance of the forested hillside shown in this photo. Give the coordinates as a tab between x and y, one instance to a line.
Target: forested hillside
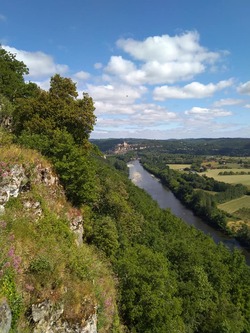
205	146
135	267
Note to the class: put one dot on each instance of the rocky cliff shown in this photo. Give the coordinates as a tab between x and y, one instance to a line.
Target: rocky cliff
50	280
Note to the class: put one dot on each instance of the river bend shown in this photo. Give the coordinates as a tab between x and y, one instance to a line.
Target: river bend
166	199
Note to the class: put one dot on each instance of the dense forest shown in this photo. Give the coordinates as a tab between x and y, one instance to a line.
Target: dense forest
166	276
205	146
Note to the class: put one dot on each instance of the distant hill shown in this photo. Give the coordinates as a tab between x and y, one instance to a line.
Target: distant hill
202	146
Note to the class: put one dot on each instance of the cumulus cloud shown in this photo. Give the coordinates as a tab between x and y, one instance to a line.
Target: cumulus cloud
164	49
82	76
244	88
117	94
227	102
132	115
120	106
119	66
207	113
191	90
151	115
161	59
40	64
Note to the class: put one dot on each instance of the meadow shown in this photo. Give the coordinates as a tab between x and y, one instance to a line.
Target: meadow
179	167
235	204
230	179
214	173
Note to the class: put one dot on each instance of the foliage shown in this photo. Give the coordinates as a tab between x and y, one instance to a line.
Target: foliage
57	109
11	77
6	108
169	277
148	302
105	235
9	290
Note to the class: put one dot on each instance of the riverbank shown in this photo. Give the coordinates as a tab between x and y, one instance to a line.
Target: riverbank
200	203
166	199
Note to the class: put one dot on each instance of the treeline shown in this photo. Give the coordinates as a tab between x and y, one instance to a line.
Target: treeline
203	146
170	277
193	190
233	173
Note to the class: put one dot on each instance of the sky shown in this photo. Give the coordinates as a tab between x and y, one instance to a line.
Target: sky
156	69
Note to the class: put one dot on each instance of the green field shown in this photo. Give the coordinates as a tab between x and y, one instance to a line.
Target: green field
179	166
234	205
233	179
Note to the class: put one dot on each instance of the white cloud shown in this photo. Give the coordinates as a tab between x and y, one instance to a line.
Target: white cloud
191	90
45	84
166	49
161	59
206	113
132	116
247	106
117	94
107	108
151	115
40	64
244	88
82	76
119	66
227	102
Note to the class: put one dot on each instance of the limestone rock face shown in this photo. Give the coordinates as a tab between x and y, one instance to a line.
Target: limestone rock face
76	225
48	319
45	175
46	316
5	317
11	183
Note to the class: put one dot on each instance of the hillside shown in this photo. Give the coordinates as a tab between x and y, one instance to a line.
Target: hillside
83	249
54	280
51	281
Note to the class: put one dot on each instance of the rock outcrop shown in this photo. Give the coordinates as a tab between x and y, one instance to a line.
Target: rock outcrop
48	319
5	316
46	316
12	181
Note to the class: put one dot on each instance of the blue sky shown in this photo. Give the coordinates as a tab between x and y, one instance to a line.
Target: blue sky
155	69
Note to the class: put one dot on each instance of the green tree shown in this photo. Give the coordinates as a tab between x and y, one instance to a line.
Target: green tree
148	302
12	83
105	235
57	109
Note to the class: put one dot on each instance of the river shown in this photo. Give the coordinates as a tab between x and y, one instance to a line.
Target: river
166	199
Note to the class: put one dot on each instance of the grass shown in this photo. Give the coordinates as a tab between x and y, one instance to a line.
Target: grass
50	260
231	179
235	204
178	166
214	173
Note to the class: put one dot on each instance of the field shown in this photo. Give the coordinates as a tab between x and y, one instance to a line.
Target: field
232	179
234	205
179	166
214	173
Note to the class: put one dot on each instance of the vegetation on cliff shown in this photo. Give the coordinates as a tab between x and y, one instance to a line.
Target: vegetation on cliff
142	269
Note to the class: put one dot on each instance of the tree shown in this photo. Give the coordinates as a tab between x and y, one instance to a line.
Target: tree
147	289
12	83
57	109
6	110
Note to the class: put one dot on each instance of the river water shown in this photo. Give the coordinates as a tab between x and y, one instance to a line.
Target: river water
166	199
